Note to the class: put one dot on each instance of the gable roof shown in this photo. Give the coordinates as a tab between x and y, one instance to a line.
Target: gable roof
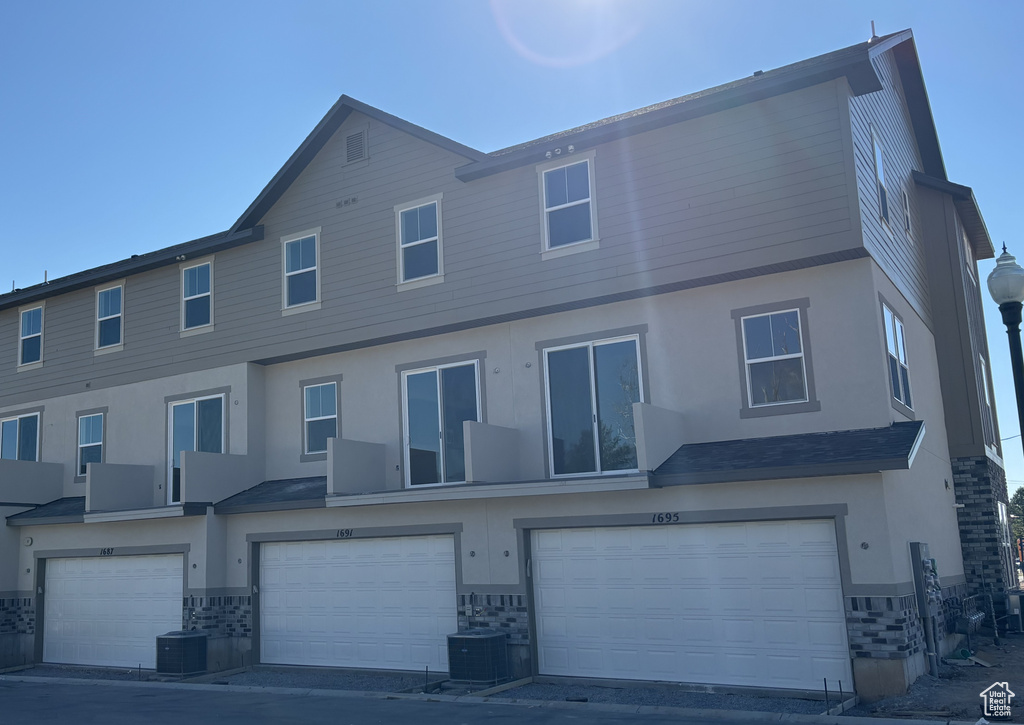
316	140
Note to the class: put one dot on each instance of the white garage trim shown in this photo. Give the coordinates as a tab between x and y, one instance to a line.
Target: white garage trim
750	604
108	611
376	603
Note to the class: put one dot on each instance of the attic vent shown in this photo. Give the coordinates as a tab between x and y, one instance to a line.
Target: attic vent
355	146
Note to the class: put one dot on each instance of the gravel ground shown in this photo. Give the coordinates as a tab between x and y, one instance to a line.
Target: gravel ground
325	680
86	673
661	696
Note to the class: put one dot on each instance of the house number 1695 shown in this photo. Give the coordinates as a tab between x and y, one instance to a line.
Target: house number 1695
665	518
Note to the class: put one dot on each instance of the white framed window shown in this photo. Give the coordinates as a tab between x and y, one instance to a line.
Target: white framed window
568	213
437	400
774	359
196	424
110	317
320	416
197	296
969	261
300	255
30	337
90	440
883	193
896	347
19	437
988	424
906	212
590	390
420	253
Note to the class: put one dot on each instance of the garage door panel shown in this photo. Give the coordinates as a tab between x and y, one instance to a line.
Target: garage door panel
379	603
108	611
746	604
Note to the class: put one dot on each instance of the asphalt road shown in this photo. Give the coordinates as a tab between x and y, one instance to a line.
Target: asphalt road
161	704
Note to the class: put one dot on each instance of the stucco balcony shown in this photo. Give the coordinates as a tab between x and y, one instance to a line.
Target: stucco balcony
30	482
213	477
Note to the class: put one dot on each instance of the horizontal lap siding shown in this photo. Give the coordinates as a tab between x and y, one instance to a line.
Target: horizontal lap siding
758	185
901	257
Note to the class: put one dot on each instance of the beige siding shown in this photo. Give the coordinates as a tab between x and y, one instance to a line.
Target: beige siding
762	184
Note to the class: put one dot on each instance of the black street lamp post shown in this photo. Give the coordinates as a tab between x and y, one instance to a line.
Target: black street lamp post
1006	285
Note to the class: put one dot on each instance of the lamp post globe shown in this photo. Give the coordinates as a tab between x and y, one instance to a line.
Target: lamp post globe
1006	285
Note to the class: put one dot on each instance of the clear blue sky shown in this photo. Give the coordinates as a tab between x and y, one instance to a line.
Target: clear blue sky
130	126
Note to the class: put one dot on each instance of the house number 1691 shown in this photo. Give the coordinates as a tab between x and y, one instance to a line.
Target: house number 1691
344	534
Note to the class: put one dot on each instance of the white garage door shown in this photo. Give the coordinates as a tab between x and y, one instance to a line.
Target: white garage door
756	604
109	610
375	603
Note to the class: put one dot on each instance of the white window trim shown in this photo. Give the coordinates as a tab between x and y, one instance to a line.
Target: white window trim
430	279
198	329
898	332
968	252
78	450
39	431
405	417
316	302
584	245
988	409
35	364
747	362
906	213
96	316
881	184
306	420
171	405
589	344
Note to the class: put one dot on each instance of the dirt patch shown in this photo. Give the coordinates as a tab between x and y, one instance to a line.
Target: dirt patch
955	693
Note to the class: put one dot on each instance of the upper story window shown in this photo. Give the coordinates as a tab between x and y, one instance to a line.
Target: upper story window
90	440
776	374
197	296
437	401
569	221
194	425
591	388
419	241
899	370
906	212
30	340
109	317
320	403
773	349
969	262
19	438
883	194
301	284
988	424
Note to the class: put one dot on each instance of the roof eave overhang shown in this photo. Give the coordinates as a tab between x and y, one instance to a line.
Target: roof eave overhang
968	209
776	473
909	67
134	265
855	65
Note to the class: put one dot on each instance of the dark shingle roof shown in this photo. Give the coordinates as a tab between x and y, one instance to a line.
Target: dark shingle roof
290	493
63	510
868	450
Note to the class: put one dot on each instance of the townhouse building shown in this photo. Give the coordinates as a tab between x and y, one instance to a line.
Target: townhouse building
664	397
